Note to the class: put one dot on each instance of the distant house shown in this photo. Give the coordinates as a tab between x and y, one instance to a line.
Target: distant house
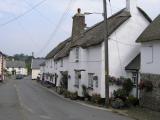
79	60
2	65
150	64
42	71
35	66
15	67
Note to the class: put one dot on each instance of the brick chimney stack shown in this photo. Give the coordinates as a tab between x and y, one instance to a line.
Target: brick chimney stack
78	24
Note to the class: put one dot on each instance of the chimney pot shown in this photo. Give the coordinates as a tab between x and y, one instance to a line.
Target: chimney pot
79	10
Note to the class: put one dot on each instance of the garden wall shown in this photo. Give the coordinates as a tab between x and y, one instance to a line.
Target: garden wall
151	99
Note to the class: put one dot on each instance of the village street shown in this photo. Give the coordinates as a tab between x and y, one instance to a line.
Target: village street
26	100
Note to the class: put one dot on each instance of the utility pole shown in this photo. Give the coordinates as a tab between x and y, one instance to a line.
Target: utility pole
106	54
2	67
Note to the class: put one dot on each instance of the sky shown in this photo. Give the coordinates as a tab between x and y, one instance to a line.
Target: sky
37	26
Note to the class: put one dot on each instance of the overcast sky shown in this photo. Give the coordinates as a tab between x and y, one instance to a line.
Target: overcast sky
37	26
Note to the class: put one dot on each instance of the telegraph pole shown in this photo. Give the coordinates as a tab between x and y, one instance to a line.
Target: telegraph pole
2	67
106	53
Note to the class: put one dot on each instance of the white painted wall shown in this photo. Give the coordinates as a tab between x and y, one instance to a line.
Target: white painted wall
122	49
150	57
22	71
35	73
0	64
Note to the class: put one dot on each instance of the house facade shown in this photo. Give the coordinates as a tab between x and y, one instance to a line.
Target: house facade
15	67
81	57
150	65
2	66
35	66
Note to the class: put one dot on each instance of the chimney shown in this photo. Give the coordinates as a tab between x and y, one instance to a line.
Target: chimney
131	5
78	24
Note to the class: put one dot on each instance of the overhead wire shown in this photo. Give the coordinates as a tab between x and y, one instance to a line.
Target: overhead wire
57	26
27	32
23	14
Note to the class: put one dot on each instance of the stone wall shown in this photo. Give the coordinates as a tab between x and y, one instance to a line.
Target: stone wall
151	99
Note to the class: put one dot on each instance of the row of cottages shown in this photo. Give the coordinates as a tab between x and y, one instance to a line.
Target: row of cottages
150	65
15	67
35	67
79	60
2	65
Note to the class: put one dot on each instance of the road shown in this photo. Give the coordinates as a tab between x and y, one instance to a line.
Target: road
27	100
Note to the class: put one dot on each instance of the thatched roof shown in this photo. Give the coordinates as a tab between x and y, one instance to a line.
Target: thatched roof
95	34
63	52
92	36
36	63
58	48
15	64
152	32
134	64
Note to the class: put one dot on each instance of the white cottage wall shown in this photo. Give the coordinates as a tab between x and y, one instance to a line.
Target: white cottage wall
150	57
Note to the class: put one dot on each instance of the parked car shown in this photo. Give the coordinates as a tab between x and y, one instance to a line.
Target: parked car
19	76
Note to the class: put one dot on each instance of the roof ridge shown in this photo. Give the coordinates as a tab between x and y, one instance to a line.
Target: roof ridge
144	14
103	20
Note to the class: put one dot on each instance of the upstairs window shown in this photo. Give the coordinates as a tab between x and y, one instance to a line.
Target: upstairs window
61	62
51	63
77	53
149	54
55	65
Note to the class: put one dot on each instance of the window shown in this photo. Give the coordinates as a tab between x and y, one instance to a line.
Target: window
51	63
134	77
55	65
77	53
149	54
61	62
77	78
95	78
90	80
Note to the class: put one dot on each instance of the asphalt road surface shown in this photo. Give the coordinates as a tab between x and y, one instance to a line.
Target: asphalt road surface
26	100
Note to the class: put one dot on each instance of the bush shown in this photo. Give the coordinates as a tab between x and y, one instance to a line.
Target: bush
60	90
117	103
66	94
96	98
132	101
128	86
120	93
74	96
